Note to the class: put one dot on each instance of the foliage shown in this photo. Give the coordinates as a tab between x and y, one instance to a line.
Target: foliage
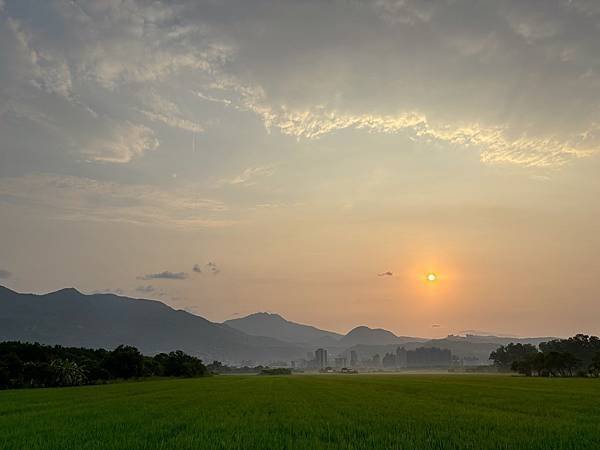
575	356
595	365
505	356
66	373
124	362
276	371
36	365
581	346
178	364
547	364
309	412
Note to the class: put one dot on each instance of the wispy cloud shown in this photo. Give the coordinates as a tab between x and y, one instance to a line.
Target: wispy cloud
385	274
148	289
78	198
165	275
249	176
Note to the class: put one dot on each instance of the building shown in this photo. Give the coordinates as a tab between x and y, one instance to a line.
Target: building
321	358
429	357
340	362
353	358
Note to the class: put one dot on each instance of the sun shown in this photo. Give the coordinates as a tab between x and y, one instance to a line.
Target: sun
431	277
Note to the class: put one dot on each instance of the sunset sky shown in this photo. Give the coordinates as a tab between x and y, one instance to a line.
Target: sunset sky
311	158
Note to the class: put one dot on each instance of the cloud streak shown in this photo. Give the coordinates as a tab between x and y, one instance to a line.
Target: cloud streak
165	275
79	198
385	274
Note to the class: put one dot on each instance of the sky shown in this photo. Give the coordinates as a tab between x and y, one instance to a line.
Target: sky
311	158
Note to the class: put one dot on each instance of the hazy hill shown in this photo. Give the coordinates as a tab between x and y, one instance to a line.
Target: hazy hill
68	317
374	336
275	326
474	349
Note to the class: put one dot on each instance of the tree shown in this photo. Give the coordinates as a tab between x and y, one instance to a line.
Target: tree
505	356
581	346
595	365
124	362
67	373
530	365
179	364
38	374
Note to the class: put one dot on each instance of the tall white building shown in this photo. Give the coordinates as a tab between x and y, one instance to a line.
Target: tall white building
321	357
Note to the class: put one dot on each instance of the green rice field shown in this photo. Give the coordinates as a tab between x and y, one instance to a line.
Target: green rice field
308	412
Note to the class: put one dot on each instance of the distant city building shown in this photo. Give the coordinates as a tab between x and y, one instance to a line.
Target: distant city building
424	357
340	362
376	360
353	358
321	358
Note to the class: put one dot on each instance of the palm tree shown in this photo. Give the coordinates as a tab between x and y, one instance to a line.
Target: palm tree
67	373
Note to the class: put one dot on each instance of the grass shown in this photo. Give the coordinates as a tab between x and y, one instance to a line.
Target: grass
308	412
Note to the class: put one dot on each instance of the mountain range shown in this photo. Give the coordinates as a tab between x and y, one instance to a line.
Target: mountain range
71	318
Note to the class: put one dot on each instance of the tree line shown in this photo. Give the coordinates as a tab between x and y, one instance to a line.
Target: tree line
576	356
37	365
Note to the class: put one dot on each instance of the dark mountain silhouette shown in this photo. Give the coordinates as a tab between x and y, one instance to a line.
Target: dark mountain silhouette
275	326
70	318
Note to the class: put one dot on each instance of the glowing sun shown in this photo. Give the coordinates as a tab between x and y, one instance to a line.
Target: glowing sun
431	277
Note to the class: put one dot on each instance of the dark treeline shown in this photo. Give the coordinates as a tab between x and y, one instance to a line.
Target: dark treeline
217	367
36	365
576	356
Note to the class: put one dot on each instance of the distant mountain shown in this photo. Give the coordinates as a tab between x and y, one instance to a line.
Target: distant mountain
275	326
473	349
476	348
70	318
374	336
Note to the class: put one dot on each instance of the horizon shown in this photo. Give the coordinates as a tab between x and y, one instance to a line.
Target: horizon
420	167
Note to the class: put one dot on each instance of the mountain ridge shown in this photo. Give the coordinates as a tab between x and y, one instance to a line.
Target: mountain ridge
68	317
273	324
71	318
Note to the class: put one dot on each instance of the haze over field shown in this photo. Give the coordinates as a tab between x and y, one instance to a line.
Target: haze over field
320	160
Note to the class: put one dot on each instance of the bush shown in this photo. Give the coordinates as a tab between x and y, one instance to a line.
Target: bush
277	371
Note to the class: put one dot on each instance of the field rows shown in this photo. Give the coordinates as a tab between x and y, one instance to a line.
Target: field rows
328	411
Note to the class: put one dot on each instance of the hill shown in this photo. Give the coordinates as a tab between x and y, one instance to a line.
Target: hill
275	326
68	317
374	336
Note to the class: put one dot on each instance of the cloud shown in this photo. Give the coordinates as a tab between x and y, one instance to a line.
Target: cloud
5	274
213	268
517	82
166	275
78	198
248	176
385	274
124	142
116	291
197	268
145	289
